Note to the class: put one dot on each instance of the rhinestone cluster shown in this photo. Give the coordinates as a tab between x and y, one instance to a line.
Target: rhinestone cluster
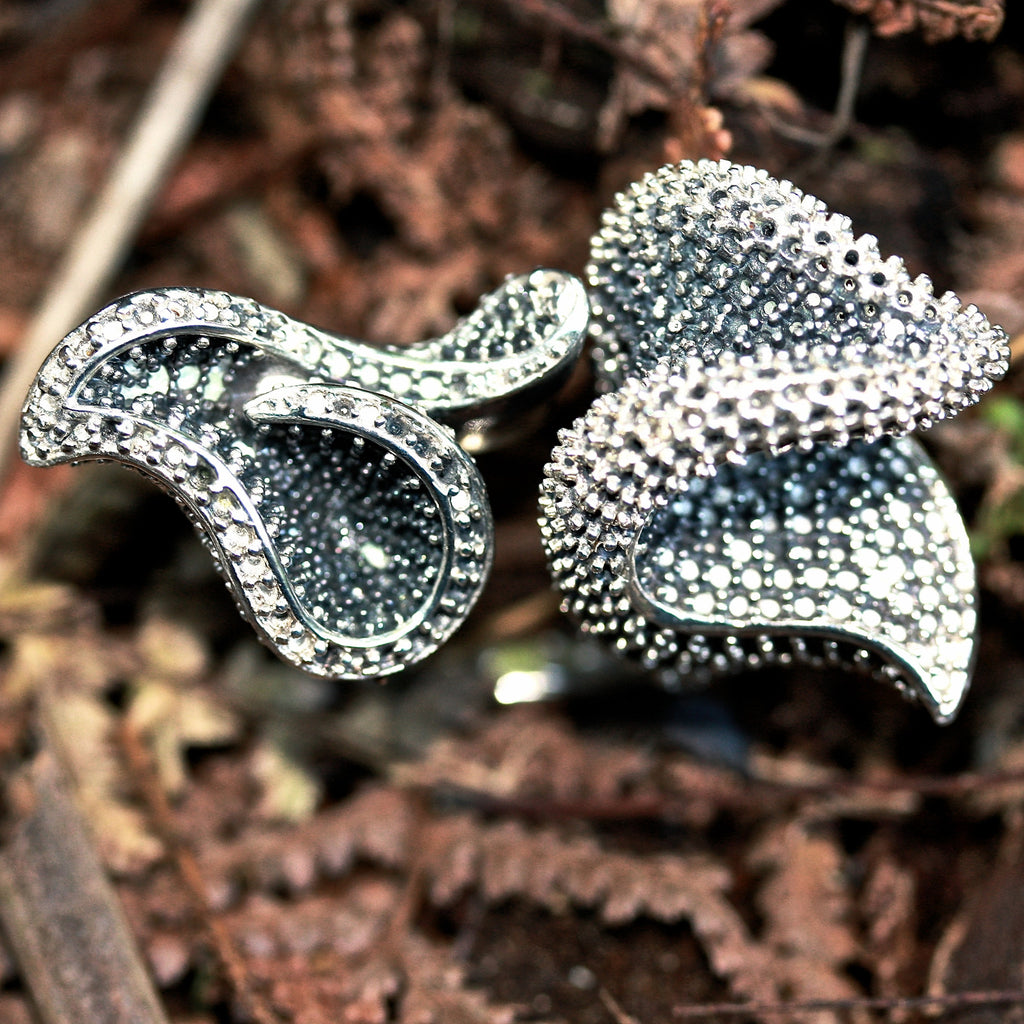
351	528
733	499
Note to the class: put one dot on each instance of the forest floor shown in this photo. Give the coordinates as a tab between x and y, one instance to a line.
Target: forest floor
287	850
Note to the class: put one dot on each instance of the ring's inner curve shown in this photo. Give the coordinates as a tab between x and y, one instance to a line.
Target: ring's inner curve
848	542
355	530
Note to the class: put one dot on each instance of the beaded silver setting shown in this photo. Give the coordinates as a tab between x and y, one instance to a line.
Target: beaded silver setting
740	496
323	474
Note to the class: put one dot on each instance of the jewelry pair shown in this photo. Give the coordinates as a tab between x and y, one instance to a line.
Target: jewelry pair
738	495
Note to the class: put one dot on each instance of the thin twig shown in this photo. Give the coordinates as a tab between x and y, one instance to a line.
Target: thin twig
947	786
722	789
555	15
950	1001
855	46
252	1003
611	1004
168	118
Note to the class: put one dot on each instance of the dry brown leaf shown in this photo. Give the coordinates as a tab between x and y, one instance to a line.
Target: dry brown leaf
808	913
170	652
71	672
79	661
436	992
374	825
419	303
168	707
458	207
14	1009
290	792
688	51
69	675
349	922
529	754
983	946
552	870
699	792
28	608
414	982
889	905
937	20
86	729
335	959
456	855
173	718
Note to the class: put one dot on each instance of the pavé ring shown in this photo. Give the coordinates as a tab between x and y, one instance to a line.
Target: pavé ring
323	474
738	497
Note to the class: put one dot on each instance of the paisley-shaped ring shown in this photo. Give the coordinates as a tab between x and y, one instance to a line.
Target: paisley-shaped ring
324	474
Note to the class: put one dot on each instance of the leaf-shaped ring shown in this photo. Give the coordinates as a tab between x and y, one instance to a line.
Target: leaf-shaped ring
352	529
738	498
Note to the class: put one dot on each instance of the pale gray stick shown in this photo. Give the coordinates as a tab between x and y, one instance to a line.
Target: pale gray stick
168	117
61	916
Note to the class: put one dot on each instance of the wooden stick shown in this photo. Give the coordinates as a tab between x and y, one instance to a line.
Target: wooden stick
167	120
946	1002
61	916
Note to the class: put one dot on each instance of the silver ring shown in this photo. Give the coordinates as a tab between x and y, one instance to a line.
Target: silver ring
738	496
324	475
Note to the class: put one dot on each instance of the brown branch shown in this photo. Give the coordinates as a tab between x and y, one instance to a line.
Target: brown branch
611	1004
60	914
923	785
251	1002
950	1001
721	788
205	43
553	14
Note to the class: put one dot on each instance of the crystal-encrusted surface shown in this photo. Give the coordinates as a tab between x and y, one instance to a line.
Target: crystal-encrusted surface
733	499
700	258
862	542
352	530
